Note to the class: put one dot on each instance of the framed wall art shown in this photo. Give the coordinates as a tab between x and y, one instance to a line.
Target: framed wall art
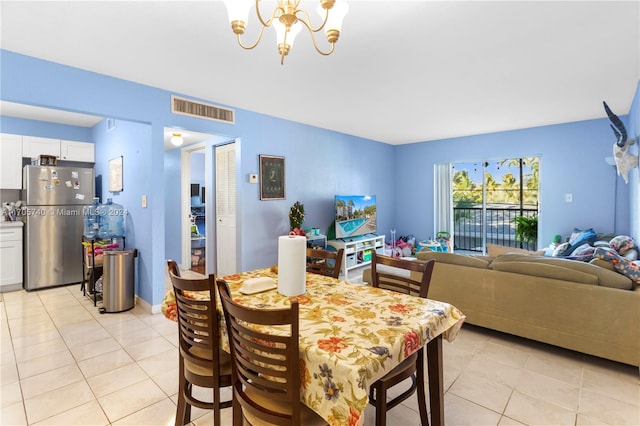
272	178
115	174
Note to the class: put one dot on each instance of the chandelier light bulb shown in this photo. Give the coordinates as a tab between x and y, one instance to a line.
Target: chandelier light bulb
336	16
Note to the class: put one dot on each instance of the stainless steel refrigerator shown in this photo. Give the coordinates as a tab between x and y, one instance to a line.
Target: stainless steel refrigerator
55	199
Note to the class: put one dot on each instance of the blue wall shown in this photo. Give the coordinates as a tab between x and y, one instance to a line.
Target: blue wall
132	141
571	161
319	164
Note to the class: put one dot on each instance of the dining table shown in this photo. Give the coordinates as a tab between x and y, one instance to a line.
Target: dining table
350	336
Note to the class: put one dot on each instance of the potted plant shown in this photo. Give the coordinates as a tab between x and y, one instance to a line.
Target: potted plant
296	217
526	229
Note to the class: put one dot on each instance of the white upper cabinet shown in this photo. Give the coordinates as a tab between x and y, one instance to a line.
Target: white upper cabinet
77	151
34	147
10	161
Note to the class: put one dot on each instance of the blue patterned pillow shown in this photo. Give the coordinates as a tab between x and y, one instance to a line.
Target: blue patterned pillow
621	264
578	238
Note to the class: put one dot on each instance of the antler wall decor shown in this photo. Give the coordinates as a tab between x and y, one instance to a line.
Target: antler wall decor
625	161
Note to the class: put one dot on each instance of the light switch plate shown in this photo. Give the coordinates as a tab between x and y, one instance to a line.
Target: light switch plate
144	201
253	178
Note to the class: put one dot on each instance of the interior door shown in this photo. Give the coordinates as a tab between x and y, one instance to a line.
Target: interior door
225	209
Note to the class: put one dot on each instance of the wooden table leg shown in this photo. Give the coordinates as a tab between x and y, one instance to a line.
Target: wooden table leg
436	391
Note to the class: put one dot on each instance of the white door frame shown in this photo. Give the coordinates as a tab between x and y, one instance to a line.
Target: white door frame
185	202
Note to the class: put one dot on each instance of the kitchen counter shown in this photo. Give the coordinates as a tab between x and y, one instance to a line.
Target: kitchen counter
10	256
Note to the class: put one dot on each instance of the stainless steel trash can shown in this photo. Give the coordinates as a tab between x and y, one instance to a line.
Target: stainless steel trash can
118	280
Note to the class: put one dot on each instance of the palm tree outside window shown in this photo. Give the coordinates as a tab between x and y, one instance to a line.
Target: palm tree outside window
488	199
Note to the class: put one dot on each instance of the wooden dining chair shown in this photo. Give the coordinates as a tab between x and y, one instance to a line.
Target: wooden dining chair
324	262
172	265
202	362
265	366
413	366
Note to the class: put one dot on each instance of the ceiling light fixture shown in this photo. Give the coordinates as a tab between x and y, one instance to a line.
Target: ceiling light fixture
176	139
288	20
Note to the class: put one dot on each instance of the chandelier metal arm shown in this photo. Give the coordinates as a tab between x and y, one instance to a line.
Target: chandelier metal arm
315	44
307	21
266	23
249	47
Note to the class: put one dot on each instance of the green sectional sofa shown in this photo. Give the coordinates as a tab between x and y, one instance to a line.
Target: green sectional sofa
585	307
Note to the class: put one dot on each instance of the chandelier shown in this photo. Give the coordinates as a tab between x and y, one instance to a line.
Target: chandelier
288	19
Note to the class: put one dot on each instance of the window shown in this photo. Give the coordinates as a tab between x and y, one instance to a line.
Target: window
488	197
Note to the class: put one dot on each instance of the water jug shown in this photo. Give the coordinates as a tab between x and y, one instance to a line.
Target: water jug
111	220
91	224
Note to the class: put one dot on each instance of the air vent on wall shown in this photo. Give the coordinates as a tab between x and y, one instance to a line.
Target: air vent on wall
202	110
111	124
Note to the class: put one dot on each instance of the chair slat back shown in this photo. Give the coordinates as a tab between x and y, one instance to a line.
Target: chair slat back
265	365
385	278
199	335
324	262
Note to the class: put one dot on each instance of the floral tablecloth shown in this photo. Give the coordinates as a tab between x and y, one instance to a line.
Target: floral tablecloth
350	336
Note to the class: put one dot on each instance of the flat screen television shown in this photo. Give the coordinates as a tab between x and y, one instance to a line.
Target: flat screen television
355	215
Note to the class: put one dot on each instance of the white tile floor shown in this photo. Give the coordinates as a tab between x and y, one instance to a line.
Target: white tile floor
63	363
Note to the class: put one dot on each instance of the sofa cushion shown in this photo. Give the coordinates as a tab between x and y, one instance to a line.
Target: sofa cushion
494	250
455	259
545	271
605	276
602	264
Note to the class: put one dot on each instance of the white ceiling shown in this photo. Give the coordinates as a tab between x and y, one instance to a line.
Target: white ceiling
402	72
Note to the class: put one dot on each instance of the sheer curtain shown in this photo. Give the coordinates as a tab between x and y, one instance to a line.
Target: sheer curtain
442	203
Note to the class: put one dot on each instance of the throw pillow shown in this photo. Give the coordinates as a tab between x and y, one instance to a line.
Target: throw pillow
583	252
581	235
632	254
621	264
578	238
622	244
560	249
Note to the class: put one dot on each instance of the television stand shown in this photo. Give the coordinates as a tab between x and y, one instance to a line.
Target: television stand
357	251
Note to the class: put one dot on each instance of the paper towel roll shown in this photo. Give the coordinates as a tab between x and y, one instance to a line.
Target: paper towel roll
292	265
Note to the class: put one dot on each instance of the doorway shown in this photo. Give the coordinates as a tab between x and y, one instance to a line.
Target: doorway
201	192
194	239
197	214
